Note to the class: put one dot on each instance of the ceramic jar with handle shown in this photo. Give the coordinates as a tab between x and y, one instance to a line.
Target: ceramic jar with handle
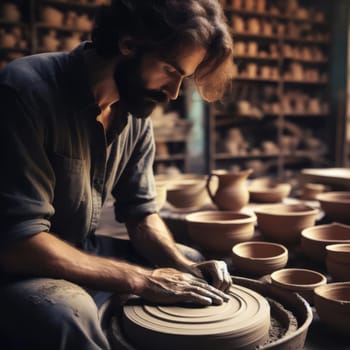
232	191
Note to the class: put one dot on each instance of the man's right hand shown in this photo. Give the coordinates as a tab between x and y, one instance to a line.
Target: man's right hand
169	286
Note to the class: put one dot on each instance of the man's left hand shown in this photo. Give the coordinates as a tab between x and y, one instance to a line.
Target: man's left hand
213	271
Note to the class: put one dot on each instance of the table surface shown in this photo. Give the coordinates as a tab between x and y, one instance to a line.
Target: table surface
319	336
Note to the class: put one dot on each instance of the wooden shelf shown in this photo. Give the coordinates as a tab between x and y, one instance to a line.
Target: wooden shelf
247	35
13	49
223	156
257	58
46	26
170	157
256	80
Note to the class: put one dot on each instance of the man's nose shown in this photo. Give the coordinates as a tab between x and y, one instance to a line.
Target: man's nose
172	89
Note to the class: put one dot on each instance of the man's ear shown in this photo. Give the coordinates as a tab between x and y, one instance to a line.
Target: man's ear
127	46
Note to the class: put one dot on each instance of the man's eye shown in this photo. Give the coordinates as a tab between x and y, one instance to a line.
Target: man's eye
169	69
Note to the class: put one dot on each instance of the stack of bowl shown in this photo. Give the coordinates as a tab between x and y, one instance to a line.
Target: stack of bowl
338	261
336	205
315	239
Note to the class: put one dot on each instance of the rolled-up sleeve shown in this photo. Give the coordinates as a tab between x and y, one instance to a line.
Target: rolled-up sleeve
135	191
27	178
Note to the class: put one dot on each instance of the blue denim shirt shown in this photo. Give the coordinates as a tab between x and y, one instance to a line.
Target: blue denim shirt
57	167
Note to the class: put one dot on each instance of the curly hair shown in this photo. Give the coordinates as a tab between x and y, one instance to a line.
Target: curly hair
167	26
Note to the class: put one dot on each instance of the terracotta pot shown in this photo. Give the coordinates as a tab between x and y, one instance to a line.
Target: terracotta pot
265	190
338	261
315	239
232	191
284	222
10	12
218	231
311	190
51	16
301	281
259	258
332	303
336	205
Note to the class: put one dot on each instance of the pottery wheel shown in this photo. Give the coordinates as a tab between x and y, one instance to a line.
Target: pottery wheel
241	323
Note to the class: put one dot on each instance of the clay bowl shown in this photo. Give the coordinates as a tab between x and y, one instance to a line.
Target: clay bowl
338	261
311	190
315	239
283	223
332	303
185	190
259	258
336	205
267	191
218	231
301	281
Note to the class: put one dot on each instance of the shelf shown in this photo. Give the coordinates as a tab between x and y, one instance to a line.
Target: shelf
70	4
268	15
12	24
223	156
170	157
256	58
246	35
305	82
256	80
39	25
306	41
13	49
306	61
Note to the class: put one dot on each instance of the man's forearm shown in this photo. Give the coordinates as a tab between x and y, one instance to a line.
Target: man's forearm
152	239
44	255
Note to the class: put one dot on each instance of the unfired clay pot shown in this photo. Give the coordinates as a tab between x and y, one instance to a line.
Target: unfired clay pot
232	191
259	258
284	222
218	231
336	205
302	281
338	261
315	239
264	190
332	303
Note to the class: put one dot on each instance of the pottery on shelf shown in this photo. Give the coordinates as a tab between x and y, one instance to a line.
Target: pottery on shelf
259	258
336	205
51	15
332	303
232	191
338	261
315	239
283	223
265	190
243	322
218	231
302	281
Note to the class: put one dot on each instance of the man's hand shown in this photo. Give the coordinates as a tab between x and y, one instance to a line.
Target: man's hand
213	271
168	286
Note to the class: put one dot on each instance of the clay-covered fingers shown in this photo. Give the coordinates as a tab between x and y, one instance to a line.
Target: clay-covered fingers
216	272
216	295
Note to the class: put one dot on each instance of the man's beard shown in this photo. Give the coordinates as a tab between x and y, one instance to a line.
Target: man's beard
134	97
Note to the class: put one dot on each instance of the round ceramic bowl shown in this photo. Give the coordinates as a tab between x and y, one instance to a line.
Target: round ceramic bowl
336	205
332	303
218	231
338	261
185	190
283	223
315	239
259	258
311	190
267	191
301	281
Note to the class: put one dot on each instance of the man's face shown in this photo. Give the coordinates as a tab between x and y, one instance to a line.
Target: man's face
147	80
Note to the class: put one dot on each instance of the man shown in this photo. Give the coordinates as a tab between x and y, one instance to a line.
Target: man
75	127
